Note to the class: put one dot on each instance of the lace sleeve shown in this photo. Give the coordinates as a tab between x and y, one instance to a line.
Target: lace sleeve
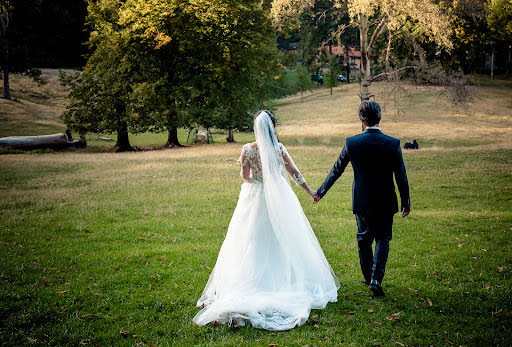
242	159
290	167
245	171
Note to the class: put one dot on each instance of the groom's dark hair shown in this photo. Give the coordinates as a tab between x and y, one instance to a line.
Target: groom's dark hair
369	113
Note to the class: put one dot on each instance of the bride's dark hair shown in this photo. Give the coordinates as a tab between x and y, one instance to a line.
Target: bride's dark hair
272	118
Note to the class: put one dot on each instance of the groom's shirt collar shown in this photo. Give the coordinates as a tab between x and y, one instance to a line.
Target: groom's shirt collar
372	130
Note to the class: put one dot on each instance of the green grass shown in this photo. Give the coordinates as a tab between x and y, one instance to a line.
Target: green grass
95	244
116	248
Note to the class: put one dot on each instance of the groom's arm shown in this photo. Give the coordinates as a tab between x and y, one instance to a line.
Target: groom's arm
401	180
336	171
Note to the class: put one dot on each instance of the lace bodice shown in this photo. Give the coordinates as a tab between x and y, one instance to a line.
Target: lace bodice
250	157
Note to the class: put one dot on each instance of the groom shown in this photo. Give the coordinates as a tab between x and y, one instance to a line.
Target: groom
375	157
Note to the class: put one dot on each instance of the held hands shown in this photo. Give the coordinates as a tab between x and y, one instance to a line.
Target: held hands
405	211
314	195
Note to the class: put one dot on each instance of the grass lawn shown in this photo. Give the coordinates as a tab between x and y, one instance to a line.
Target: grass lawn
115	248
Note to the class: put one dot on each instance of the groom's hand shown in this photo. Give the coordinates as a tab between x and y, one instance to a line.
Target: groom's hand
406	211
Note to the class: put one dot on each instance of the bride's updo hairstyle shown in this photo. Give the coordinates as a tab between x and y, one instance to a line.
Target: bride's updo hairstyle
272	118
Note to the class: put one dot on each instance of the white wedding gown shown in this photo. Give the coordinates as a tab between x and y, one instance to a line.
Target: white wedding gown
271	270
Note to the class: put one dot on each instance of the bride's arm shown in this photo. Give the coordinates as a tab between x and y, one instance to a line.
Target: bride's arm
294	172
245	171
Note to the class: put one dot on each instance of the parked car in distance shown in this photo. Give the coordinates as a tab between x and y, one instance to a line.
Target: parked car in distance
341	78
317	77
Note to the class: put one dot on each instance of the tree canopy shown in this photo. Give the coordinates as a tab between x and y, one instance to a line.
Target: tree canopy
167	64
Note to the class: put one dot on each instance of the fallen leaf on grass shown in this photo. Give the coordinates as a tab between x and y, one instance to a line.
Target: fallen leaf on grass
216	323
85	341
394	316
399	343
315	326
429	302
348	330
46	283
500	269
497	312
352	312
370	310
272	345
31	340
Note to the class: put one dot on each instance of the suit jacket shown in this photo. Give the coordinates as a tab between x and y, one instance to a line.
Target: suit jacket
375	157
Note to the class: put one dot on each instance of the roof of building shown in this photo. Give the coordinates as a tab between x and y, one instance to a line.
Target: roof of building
340	50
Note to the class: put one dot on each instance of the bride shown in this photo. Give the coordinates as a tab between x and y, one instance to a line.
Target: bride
271	270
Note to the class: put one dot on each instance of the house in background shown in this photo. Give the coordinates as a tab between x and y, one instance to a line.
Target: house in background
352	54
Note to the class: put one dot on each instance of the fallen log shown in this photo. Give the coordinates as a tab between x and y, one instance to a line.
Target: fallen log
53	141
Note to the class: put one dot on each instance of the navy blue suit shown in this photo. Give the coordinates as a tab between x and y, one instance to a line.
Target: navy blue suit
375	158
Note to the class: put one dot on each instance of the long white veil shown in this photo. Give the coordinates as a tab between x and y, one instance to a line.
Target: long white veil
308	266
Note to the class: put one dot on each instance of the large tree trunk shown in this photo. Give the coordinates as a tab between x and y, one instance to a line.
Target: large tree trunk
5	70
231	136
123	142
365	59
4	24
53	141
172	138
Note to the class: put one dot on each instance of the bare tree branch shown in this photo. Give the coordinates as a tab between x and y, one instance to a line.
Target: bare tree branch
381	27
387	73
388	49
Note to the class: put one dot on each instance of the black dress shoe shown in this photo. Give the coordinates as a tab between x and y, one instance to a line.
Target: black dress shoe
376	288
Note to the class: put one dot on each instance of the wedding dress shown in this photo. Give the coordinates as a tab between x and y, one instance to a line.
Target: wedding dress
271	270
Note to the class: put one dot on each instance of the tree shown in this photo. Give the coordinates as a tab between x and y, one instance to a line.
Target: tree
500	18
241	79
469	31
373	19
170	33
102	97
331	79
212	60
15	38
303	79
500	23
